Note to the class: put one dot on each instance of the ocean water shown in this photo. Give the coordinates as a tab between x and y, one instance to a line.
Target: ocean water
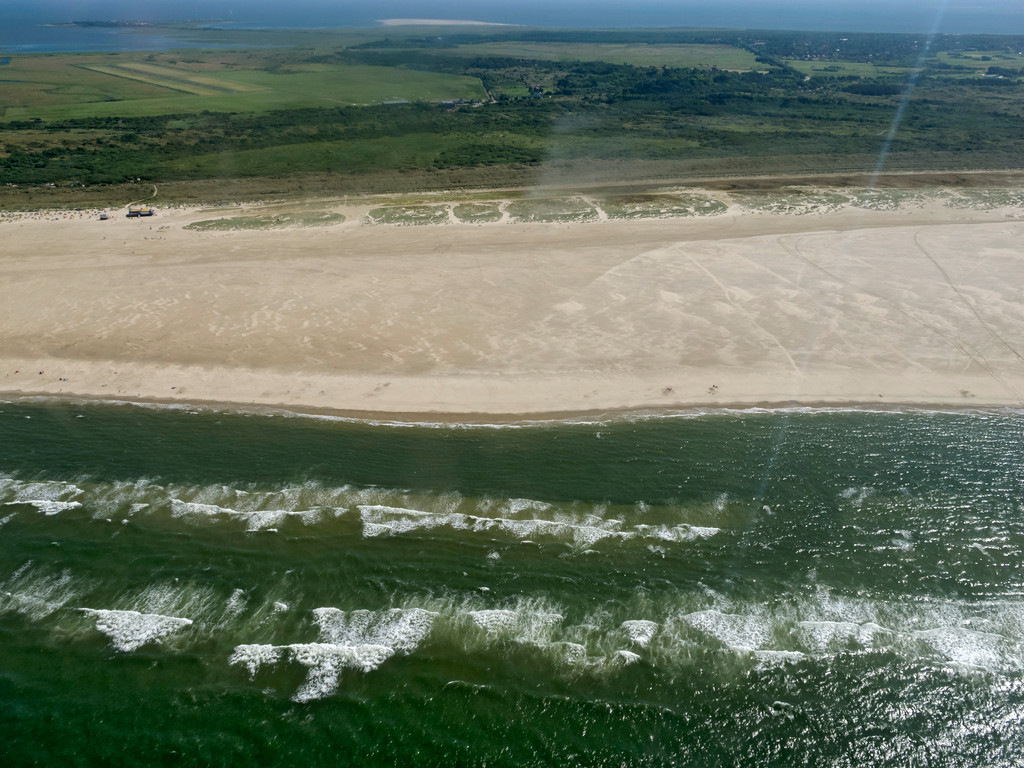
24	27
826	588
19	37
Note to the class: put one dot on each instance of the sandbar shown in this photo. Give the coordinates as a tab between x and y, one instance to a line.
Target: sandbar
920	305
438	23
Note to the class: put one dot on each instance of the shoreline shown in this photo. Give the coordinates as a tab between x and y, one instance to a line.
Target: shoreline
428	419
518	320
927	181
475	399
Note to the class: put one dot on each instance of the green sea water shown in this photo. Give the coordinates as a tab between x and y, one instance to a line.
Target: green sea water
819	588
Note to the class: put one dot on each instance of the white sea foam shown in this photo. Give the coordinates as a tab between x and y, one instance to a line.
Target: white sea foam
175	597
254	656
640	631
677	533
572	654
399	629
516	506
984	635
382	511
772	659
381	520
825	605
13	489
48	507
743	632
255	519
37	594
325	662
533	625
767	636
857	495
384	520
904	541
130	630
107	500
968	648
359	640
519	625
50	497
824	637
236	603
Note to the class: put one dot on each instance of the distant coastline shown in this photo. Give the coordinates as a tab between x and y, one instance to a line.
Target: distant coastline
919	17
111	24
75	37
440	23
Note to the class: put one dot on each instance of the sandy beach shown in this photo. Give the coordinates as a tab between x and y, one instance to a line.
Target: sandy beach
919	305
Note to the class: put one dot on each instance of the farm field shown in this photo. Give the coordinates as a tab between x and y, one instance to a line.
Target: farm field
949	63
173	78
70	86
981	60
702	56
840	68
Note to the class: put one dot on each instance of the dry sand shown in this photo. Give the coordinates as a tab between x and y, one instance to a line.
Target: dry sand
916	306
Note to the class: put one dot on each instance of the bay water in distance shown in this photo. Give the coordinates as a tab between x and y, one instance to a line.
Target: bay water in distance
827	588
43	25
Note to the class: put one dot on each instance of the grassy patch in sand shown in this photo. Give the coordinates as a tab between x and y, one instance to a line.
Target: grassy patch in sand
884	199
276	221
987	199
661	205
797	202
409	214
477	213
552	209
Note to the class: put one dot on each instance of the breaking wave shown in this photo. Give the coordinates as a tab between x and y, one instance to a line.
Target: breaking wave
671	634
379	520
130	630
379	511
359	640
